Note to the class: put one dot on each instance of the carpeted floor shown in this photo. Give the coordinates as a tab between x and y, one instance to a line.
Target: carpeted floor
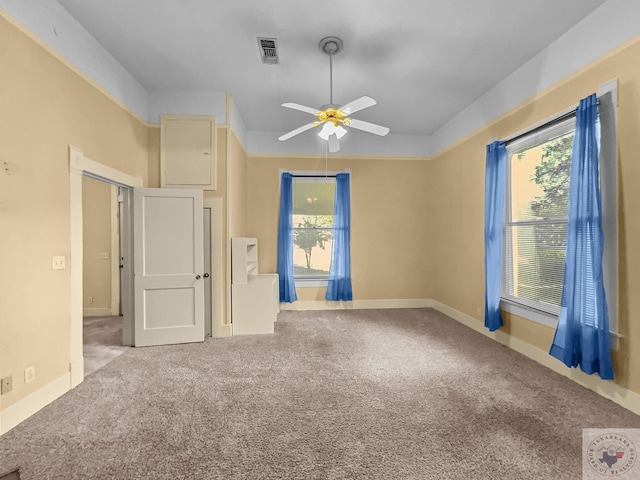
102	341
368	394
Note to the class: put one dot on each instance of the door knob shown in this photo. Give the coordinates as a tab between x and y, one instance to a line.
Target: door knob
206	275
198	277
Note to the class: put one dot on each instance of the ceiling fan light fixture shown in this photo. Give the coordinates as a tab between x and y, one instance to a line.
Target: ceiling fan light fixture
329	129
332	117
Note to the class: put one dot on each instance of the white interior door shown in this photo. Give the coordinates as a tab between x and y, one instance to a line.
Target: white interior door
168	266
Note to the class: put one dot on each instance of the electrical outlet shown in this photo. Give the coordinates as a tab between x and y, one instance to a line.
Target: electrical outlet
6	384
29	374
479	312
103	255
58	263
89	300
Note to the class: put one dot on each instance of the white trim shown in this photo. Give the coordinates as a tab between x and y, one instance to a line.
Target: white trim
32	403
301	282
357	304
78	166
607	106
605	388
218	327
229	214
97	312
115	252
529	313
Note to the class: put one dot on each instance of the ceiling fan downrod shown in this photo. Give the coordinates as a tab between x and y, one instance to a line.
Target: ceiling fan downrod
330	46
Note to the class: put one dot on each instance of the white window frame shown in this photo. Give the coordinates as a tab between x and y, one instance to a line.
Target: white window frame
312	176
537	311
607	106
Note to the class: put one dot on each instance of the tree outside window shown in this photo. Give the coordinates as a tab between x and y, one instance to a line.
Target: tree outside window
313	200
537	228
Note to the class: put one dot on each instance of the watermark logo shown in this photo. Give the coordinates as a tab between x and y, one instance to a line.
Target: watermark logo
610	453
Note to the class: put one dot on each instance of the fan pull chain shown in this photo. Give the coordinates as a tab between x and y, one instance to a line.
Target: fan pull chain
326	160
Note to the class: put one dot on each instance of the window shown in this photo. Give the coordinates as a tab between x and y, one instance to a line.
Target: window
536	211
313	210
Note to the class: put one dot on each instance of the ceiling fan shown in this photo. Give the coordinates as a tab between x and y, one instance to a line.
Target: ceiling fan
334	118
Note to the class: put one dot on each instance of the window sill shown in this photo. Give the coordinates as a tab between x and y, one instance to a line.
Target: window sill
545	318
537	316
311	282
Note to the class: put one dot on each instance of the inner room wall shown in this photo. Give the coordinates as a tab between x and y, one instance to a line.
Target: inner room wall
457	201
48	107
392	230
96	226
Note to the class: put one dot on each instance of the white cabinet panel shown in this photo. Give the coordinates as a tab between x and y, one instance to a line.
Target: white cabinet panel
188	151
255	298
254	305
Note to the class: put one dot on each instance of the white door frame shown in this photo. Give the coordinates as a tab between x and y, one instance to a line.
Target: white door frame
219	328
80	165
115	251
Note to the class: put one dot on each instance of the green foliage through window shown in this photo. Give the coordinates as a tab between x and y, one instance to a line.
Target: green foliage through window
536	230
312	226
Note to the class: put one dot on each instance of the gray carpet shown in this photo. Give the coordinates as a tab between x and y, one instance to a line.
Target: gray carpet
369	394
102	342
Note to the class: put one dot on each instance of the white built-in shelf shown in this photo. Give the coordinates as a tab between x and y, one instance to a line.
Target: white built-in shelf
255	298
244	259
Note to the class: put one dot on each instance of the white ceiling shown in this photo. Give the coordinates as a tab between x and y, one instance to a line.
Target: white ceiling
424	61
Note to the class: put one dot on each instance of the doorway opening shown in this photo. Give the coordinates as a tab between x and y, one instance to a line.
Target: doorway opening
80	167
102	329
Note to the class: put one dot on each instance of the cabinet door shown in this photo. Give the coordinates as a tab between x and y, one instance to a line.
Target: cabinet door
187	151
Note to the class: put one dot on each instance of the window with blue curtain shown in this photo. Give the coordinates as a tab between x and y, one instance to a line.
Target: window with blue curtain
285	240
552	252
493	230
313	212
339	286
582	337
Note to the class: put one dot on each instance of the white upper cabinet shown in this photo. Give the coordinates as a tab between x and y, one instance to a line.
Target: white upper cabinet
188	151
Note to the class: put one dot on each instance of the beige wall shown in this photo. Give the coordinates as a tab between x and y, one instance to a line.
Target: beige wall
457	199
238	187
96	239
391	223
45	107
153	167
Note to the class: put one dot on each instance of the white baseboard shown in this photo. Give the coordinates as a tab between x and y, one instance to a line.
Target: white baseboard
97	312
76	372
23	409
606	388
357	304
221	331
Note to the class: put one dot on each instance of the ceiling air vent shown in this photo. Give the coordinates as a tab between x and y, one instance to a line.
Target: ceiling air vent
268	50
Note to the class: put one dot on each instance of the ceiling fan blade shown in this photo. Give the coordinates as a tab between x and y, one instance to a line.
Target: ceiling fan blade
298	130
358	104
369	127
334	143
302	108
